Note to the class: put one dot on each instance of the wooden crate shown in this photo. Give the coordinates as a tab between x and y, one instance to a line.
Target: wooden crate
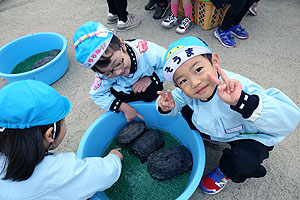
205	14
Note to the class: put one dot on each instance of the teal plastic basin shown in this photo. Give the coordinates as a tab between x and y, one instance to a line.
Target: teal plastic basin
20	49
99	135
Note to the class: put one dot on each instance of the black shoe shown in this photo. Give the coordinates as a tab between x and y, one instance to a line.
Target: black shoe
160	11
150	5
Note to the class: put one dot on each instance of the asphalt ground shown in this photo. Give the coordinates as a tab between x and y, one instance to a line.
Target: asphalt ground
270	57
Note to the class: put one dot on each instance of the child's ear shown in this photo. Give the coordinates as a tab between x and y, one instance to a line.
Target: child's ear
122	44
215	59
48	136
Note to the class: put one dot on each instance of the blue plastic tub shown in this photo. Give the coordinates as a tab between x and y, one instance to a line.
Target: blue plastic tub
20	49
99	135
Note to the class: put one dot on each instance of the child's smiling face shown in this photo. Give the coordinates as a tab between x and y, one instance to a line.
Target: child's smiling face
192	77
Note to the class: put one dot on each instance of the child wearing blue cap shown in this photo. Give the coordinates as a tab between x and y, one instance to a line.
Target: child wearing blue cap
32	122
227	107
126	71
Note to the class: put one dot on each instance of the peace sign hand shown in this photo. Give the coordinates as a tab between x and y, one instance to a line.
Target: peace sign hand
166	101
229	90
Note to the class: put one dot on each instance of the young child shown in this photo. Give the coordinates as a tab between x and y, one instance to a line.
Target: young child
228	108
232	20
172	19
32	122
126	71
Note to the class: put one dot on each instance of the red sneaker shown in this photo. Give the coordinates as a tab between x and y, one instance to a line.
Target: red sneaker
214	182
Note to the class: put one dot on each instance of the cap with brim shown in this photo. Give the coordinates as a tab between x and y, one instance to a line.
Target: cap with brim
180	51
29	103
90	42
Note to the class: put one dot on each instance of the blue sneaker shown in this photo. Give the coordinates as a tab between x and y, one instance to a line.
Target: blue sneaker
239	32
225	38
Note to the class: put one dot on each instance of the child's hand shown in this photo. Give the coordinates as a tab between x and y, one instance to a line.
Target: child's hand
117	152
229	90
141	85
166	101
129	112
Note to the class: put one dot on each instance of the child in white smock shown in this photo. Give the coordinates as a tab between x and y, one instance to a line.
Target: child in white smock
126	71
32	122
226	107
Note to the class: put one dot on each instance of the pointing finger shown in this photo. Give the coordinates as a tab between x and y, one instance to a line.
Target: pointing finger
140	116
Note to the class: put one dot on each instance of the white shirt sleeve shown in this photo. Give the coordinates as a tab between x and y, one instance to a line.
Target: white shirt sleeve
90	175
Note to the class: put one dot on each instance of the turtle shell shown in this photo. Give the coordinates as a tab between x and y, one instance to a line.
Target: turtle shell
54	52
130	132
168	162
144	145
42	62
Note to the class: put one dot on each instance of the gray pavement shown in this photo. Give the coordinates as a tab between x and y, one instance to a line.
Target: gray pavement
270	57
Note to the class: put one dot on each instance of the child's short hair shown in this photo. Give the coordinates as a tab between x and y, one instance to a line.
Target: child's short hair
90	42
180	51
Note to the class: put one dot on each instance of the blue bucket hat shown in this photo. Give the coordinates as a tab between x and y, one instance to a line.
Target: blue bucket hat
29	103
90	42
180	51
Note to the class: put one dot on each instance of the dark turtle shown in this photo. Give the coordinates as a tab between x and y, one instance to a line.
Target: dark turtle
42	62
54	52
130	132
168	162
144	145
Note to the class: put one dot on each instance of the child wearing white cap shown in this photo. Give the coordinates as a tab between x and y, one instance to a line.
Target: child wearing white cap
227	107
32	122
126	71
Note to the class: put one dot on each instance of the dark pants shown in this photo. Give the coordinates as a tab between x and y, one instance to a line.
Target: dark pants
119	8
243	160
149	95
236	12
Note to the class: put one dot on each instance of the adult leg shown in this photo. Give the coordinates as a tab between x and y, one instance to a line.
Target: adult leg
161	9
242	12
111	7
187	22
223	32
253	9
126	21
236	6
118	7
244	160
150	5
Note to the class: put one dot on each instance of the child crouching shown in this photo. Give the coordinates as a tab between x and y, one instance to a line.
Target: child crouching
126	71
227	107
